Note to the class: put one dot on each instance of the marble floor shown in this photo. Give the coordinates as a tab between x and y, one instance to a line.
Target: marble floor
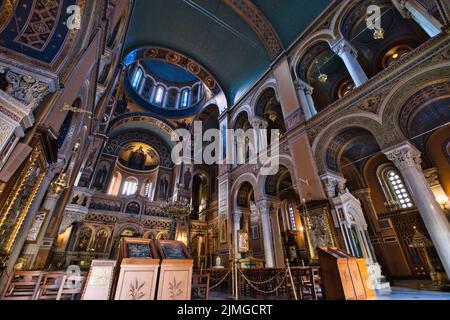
399	291
402	293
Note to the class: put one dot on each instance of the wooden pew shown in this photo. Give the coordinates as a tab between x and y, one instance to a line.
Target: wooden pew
23	285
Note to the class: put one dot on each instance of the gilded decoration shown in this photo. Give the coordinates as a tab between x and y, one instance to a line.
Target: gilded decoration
19	201
319	231
6	12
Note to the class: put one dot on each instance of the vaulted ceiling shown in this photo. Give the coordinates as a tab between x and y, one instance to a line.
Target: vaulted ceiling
236	40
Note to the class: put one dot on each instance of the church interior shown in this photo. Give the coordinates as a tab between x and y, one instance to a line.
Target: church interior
349	98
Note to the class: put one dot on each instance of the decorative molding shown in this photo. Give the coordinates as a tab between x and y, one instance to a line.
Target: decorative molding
259	24
404	156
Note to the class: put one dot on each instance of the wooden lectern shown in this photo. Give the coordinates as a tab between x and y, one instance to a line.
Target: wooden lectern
341	276
175	277
99	281
139	265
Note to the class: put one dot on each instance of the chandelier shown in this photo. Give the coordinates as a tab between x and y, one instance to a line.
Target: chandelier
177	208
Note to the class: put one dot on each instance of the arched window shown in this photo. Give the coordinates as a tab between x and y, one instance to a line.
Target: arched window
292	218
399	192
137	78
149	190
130	187
159	95
185	99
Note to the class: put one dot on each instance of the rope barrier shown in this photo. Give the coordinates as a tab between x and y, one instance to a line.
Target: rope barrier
262	291
220	282
271	279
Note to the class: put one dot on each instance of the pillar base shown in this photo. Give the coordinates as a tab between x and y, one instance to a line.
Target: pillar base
378	281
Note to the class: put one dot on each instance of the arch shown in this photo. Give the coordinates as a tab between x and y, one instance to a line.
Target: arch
395	101
270	83
364	122
133	227
323	35
285	161
249	178
162	236
244	109
133	207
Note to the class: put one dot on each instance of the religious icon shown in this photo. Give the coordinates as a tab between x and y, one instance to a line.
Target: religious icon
102	175
243	241
137	159
101	240
187	179
223	231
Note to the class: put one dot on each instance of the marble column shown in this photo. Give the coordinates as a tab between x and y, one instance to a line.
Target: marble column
365	197
411	9
408	159
349	55
260	138
309	92
277	243
305	92
264	209
49	206
237	226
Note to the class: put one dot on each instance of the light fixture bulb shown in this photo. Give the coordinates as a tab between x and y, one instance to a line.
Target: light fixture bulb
378	34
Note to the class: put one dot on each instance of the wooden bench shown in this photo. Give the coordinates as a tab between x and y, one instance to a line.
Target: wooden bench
23	285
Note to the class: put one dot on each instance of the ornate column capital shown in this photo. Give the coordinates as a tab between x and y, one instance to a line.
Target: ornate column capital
237	215
401	7
404	156
334	184
264	207
301	85
258	123
26	88
343	46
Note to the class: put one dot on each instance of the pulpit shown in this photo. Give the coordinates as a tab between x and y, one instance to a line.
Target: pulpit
175	277
139	264
99	280
341	276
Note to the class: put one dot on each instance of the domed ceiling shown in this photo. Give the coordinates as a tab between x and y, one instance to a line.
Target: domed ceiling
236	40
168	72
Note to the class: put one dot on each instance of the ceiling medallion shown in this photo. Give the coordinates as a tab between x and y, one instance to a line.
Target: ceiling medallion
194	68
151	53
210	82
173	57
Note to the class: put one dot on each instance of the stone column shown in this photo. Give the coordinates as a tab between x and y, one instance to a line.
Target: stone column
312	107
260	141
366	199
237	226
407	159
411	9
264	210
277	243
305	98
49	206
349	55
